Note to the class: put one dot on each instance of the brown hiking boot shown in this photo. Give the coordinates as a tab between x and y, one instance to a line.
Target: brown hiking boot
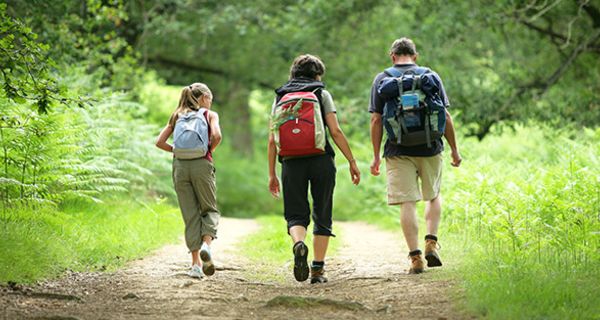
431	254
417	265
317	275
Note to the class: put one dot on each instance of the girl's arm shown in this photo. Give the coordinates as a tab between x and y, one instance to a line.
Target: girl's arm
161	141
215	130
340	140
272	157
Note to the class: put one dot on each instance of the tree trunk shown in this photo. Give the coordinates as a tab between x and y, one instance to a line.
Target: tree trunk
234	115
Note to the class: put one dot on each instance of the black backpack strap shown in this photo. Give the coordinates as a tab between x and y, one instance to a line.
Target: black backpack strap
427	130
421	71
402	129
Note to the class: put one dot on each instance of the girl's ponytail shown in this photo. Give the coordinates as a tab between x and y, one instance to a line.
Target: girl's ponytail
190	99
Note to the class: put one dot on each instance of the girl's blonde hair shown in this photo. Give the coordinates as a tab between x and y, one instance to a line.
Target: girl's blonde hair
190	100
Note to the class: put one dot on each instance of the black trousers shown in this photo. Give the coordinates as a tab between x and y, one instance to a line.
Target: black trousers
296	174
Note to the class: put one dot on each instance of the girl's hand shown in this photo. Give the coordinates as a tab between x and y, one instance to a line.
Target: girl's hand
274	186
354	172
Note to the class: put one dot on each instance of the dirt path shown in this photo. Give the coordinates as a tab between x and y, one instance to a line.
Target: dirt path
368	280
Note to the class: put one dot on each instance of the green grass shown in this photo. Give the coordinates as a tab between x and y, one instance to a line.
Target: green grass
531	291
43	243
523	213
275	246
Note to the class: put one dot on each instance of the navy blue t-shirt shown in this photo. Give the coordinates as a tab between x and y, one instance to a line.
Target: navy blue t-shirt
376	105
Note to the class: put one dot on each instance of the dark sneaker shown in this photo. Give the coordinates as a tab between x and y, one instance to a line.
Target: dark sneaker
207	265
431	254
416	264
300	261
317	275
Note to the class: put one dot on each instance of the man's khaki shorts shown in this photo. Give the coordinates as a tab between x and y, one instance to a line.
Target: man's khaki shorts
403	173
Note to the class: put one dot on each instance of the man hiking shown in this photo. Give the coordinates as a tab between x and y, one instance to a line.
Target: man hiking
409	103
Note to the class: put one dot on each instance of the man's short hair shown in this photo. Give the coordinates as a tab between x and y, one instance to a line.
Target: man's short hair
403	47
307	66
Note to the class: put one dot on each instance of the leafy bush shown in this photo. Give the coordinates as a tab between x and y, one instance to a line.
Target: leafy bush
78	153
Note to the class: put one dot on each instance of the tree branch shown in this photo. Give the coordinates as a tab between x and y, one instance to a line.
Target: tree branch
203	69
537	86
594	14
547	31
557	36
563	68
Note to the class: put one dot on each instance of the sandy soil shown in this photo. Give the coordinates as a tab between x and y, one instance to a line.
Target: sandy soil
368	280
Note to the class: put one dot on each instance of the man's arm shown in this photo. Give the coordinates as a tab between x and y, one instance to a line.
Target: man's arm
451	138
376	137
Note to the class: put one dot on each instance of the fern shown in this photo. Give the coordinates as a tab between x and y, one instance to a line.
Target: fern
283	115
77	153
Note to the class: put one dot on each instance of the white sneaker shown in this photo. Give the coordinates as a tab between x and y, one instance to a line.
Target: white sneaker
196	272
207	265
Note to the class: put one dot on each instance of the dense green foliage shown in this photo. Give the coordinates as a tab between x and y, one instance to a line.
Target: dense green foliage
84	94
77	152
50	154
529	222
79	172
502	61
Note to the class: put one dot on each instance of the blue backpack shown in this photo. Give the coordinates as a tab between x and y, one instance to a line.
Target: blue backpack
413	113
190	137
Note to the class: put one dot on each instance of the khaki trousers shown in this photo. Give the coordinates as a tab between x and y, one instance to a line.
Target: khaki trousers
195	185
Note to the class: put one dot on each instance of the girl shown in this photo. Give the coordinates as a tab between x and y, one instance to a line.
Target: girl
317	169
194	172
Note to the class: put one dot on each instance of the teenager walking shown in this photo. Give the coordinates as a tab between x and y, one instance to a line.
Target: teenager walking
301	112
196	134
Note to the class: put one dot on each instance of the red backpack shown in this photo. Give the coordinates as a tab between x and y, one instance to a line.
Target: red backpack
298	125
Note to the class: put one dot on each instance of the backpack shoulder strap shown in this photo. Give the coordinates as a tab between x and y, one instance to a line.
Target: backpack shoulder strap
421	70
393	72
205	114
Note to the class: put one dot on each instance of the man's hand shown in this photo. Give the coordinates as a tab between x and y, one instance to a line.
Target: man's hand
375	166
354	172
274	186
456	159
